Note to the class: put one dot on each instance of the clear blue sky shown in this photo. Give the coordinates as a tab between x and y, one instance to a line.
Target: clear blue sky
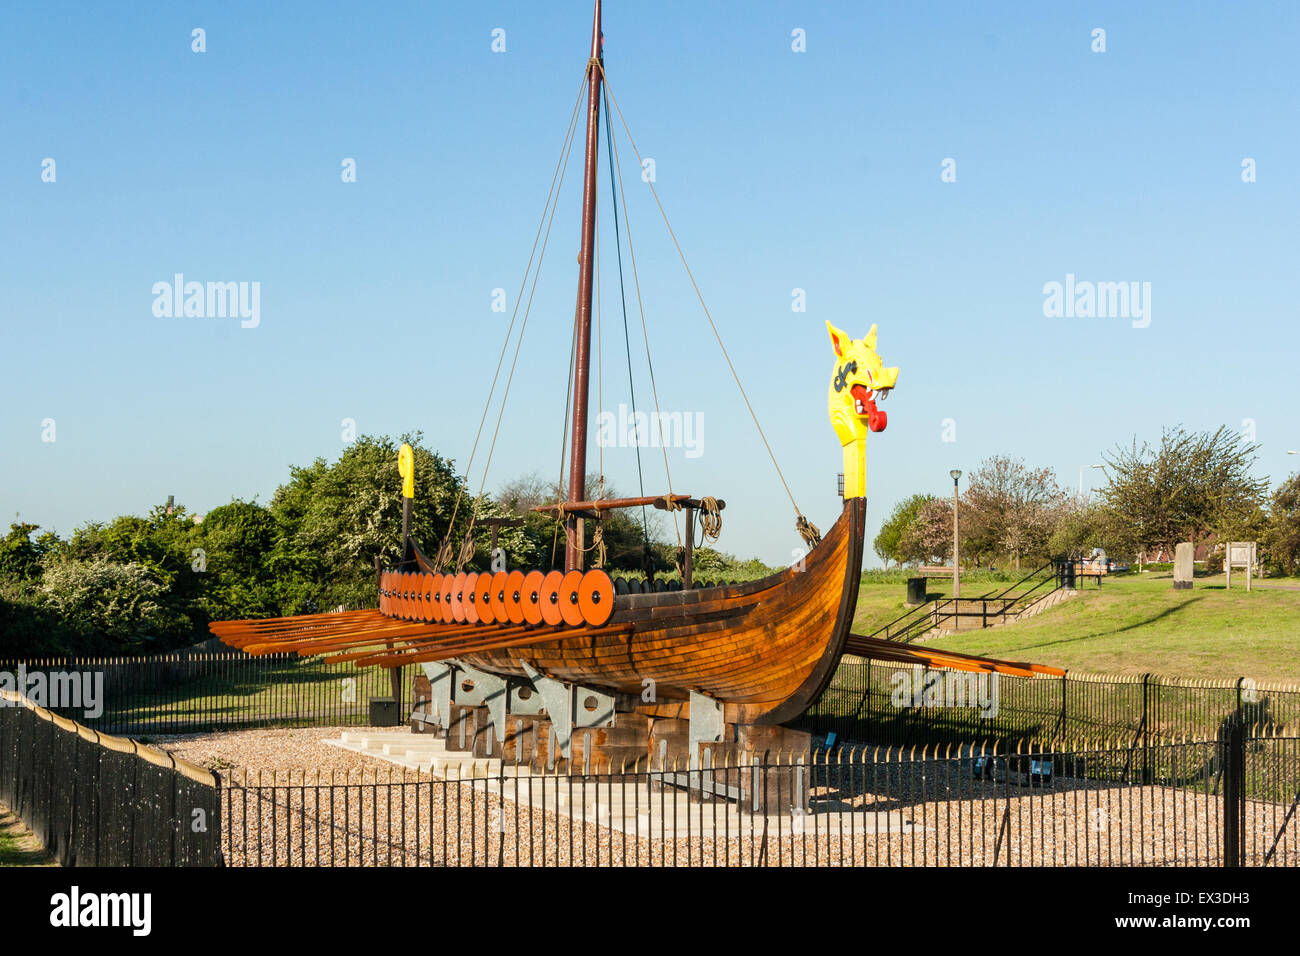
780	170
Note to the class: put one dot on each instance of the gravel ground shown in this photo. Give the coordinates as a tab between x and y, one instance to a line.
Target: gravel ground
296	801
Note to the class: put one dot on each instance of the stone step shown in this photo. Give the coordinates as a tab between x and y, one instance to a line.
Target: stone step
408	746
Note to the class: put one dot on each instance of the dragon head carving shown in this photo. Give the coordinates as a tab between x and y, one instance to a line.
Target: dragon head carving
859	380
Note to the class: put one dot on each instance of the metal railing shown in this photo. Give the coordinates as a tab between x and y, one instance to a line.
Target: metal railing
990	608
906	705
195	692
1229	801
1208	803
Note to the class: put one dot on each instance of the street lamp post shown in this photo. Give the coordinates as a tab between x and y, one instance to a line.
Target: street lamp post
1081	477
1102	467
956	556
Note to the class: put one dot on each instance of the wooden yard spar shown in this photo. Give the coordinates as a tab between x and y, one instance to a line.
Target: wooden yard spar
756	653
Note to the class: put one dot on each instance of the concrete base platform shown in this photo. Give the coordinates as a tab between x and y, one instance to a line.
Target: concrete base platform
656	805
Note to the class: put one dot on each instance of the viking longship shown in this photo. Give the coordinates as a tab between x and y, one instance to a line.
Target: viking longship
581	649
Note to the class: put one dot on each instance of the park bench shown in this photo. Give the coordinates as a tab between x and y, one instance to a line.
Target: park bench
934	571
1094	571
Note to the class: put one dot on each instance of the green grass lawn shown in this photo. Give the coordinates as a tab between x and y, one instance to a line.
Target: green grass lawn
1137	623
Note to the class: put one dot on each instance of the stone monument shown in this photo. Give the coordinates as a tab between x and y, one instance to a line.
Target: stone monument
1183	553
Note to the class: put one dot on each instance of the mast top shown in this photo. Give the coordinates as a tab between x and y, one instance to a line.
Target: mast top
597	40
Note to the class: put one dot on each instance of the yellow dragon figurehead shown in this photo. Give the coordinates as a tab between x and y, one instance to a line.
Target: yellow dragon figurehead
859	380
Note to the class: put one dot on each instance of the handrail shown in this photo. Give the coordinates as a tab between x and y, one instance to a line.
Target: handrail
905	614
1031	574
911	624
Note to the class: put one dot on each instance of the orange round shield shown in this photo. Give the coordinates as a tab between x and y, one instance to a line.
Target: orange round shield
550	598
445	592
458	597
470	599
515	597
483	597
498	596
399	595
435	597
569	610
426	597
383	599
532	598
596	597
408	591
486	612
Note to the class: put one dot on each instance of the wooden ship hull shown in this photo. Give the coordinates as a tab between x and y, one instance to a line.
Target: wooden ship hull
765	648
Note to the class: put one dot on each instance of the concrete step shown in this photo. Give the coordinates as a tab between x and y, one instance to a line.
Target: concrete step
402	748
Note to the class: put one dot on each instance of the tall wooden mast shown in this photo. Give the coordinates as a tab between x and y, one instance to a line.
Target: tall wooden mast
582	318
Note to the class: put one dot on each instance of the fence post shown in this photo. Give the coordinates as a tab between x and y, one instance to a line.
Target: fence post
1233	804
1144	728
1064	715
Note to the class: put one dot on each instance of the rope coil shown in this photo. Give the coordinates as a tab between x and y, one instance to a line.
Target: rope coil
443	557
808	531
466	552
710	519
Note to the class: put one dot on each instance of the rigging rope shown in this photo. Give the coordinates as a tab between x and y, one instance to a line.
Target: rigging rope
564	435
600	363
627	336
514	363
802	522
645	333
444	550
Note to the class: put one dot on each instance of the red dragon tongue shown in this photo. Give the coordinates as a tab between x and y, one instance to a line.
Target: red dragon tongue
861	399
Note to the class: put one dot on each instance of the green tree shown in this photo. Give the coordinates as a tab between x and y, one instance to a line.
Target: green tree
888	541
1281	538
928	538
230	556
20	556
625	531
334	520
1186	487
1082	526
1010	508
120	604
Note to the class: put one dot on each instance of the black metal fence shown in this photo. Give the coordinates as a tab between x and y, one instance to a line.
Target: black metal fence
195	692
1209	803
99	800
95	800
903	705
